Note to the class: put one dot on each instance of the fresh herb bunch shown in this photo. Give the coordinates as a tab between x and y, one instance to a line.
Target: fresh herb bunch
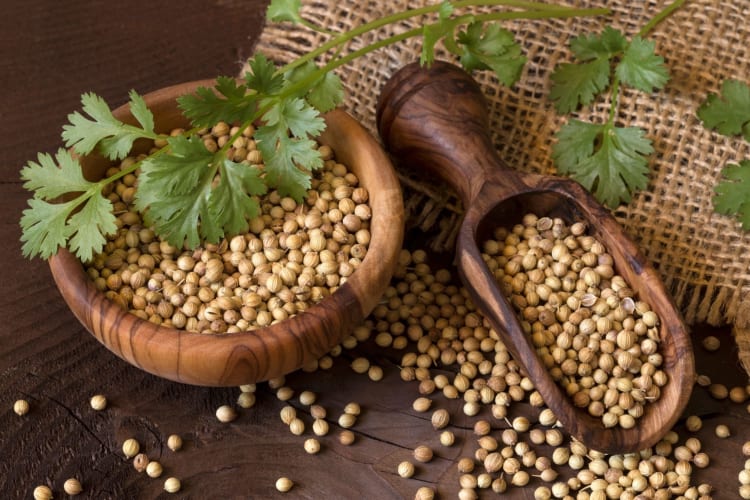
729	114
609	160
191	195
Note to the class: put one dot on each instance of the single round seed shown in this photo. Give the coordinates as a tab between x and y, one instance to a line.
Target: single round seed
174	442
722	431
447	438
347	420
21	407
423	453
130	447
297	426
226	413
72	486
42	493
312	446
424	493
346	437
98	402
154	469
172	485
422	404
284	484
711	343
406	469
693	423
440	418
246	400
352	409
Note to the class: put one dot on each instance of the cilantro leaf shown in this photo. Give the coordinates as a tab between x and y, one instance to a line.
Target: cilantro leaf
48	180
492	47
324	93
232	202
284	10
729	113
641	68
605	46
101	128
575	85
91	224
432	33
610	162
228	101
733	192
262	76
44	227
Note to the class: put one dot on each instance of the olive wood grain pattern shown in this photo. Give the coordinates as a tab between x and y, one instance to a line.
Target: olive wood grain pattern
436	119
248	357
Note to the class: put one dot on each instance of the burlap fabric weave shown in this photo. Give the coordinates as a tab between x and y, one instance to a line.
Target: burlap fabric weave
703	258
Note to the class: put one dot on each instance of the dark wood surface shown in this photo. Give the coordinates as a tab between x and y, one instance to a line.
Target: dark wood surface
51	53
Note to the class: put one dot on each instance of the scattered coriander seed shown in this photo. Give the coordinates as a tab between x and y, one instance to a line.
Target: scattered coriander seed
347	420
320	427
130	447
174	442
307	398
360	365
297	426
406	469
21	407
284	393
738	395
284	484
318	412
440	418
154	469
346	437
423	453
447	438
98	402
246	400
693	423
465	465
722	431
424	493
172	485
718	391
287	414
746	448
352	409
72	486
312	446
140	462
375	373
711	343
248	388
42	493
421	404
226	413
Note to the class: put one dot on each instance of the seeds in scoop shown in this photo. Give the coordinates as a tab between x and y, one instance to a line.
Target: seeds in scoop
130	447
98	402
21	407
72	486
226	413
172	485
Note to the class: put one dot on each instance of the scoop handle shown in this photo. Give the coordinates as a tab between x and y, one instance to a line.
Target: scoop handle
436	118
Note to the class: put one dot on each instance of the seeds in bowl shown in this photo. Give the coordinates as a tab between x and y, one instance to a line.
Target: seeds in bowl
598	341
292	256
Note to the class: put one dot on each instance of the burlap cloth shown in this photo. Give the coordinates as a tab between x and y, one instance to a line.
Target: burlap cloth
703	257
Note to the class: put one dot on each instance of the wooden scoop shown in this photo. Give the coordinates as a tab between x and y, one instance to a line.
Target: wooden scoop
436	119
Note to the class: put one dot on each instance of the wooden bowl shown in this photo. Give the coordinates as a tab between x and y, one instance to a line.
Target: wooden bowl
253	356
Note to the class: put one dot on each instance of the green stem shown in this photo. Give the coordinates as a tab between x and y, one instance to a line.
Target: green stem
666	12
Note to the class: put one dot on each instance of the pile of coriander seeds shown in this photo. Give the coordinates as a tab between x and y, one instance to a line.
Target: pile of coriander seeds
596	339
293	256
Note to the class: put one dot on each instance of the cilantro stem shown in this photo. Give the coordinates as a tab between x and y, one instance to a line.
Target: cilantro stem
666	12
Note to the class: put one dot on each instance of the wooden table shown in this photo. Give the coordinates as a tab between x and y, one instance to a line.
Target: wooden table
54	51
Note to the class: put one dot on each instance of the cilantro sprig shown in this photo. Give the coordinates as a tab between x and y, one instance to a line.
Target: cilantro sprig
729	115
608	159
191	195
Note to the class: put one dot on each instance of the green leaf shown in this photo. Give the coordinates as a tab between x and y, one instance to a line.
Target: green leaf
228	101
262	76
432	33
490	46
297	116
114	138
641	68
90	225
574	85
610	162
232	202
605	46
284	10
44	227
729	113
282	170
323	93
48	180
140	111
733	193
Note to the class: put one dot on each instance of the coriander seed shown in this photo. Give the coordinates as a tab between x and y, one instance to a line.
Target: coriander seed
297	426
722	431
174	442
423	453
154	469
130	447
72	486
346	437
312	446
21	407
226	413
140	462
406	469
711	343
98	402
447	438
246	400
424	493
42	493
172	485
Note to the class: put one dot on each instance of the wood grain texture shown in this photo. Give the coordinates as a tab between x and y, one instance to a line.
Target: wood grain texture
47	357
248	357
436	119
